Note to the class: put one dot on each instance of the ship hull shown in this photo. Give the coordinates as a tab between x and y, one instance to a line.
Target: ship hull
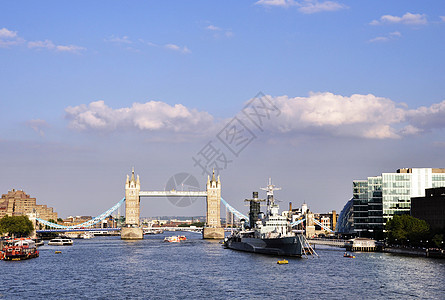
287	246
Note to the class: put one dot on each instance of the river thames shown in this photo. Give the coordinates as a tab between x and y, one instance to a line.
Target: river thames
108	267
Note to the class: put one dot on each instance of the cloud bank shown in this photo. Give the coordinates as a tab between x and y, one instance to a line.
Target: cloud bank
149	116
356	116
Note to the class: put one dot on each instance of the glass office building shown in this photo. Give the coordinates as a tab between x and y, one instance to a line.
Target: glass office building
379	198
345	221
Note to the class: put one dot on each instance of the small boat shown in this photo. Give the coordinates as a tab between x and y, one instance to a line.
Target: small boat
348	255
86	235
60	242
19	249
282	262
171	239
175	238
58	252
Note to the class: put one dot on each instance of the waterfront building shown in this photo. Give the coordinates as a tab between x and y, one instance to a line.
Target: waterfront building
345	222
328	220
430	208
17	203
378	198
72	221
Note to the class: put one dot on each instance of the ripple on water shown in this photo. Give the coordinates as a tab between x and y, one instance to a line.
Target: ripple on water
107	267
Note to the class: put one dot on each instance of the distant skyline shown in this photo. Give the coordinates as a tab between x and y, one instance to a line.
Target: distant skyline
89	90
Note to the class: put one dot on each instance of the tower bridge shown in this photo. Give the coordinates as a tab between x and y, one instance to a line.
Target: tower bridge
133	229
133	194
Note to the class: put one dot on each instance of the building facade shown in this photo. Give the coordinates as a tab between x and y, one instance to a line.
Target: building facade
18	203
377	199
345	222
430	208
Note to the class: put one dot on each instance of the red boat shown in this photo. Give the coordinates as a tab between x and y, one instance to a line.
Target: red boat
19	249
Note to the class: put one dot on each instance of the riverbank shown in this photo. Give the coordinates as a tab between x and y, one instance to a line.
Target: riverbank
432	252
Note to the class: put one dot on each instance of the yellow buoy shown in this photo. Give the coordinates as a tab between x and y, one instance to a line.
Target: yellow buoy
58	252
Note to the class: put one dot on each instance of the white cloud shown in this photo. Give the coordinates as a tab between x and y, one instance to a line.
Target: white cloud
69	48
379	39
149	116
120	40
407	19
9	38
390	36
310	7
9	43
356	116
37	125
305	6
365	116
177	48
169	46
427	118
213	28
46	44
5	33
219	32
49	45
282	3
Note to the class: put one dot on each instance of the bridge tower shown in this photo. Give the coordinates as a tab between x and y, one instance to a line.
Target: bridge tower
213	229
132	230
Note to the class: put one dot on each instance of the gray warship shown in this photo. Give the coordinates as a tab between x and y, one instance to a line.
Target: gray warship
269	233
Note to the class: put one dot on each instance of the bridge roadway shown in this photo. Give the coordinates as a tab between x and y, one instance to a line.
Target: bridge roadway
328	242
172	194
118	229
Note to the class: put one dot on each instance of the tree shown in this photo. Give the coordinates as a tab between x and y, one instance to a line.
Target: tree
16	225
438	240
406	229
51	221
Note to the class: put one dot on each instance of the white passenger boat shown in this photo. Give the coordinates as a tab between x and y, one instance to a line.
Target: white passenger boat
60	242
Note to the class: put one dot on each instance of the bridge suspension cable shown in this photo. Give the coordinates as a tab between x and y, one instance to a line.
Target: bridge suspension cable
89	223
297	222
107	213
233	210
322	226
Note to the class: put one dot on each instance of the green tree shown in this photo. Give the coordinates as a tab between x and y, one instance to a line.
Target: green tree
438	240
16	225
406	229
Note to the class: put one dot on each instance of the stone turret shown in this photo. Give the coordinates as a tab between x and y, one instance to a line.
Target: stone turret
213	229
132	209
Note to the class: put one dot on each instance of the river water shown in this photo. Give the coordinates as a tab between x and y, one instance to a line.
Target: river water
108	267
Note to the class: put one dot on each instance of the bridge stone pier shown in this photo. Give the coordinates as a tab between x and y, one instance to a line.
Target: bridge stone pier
133	230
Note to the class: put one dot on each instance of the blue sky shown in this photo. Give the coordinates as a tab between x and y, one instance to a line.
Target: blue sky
360	87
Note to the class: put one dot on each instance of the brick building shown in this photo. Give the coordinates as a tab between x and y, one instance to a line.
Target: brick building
17	203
